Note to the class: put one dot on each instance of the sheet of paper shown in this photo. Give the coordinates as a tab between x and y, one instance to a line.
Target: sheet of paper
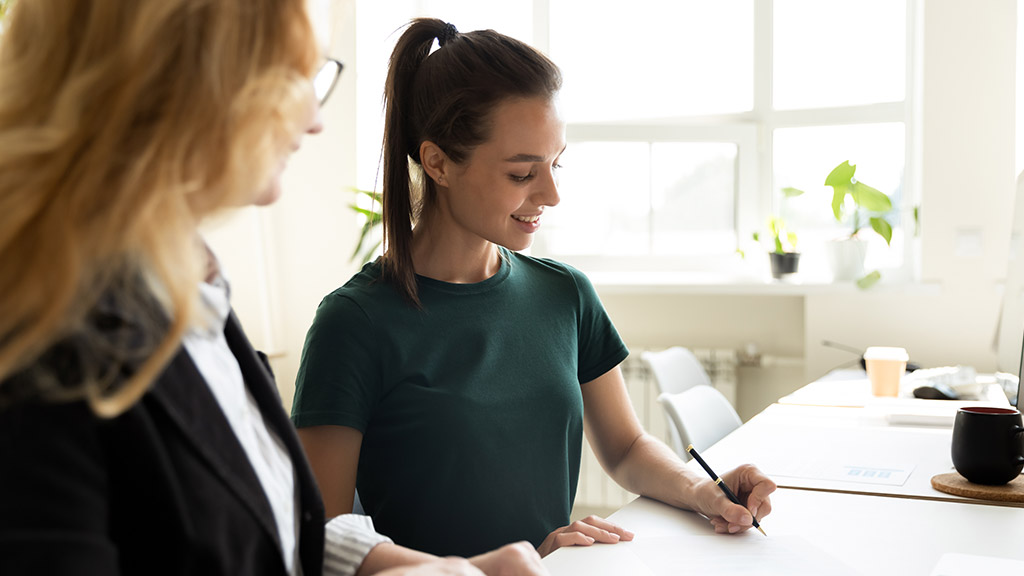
971	565
746	554
890	474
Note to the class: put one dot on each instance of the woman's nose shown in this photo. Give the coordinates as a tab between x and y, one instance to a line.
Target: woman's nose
548	191
317	123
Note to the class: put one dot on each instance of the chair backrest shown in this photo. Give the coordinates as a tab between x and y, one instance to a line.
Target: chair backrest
675	369
702	416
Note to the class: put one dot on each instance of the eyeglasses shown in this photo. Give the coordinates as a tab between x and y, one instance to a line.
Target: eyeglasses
326	78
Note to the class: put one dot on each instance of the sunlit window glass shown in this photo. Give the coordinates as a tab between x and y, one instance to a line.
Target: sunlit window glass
693	198
838	53
653	58
605	201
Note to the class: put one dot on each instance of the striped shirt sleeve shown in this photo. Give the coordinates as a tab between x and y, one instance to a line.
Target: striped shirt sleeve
347	540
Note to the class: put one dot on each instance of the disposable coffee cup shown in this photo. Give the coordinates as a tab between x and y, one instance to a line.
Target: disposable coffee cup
988	444
885	366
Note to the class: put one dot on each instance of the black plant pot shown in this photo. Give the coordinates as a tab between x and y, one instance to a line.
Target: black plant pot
784	263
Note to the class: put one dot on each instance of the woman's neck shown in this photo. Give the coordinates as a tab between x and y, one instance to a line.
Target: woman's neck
439	254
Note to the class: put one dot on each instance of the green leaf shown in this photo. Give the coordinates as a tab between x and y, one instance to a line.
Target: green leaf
883	228
838	196
368	255
791	238
869	280
841	175
840	179
776	227
374	195
374	218
371	216
789	192
869	198
757	236
364	235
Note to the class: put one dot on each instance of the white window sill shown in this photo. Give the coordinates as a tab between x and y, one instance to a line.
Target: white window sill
678	282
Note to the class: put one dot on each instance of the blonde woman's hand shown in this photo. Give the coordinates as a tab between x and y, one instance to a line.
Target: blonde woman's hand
519	559
584	533
751	486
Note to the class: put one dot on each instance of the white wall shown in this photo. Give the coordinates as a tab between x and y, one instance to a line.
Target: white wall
307	235
966	175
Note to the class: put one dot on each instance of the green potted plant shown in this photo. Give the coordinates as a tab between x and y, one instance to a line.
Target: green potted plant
370	237
859	207
866	208
783	255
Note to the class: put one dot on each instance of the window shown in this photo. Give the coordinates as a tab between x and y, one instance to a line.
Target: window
685	118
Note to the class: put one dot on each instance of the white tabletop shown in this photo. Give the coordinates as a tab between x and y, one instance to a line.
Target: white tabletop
834	425
840	449
808	532
855	497
853	389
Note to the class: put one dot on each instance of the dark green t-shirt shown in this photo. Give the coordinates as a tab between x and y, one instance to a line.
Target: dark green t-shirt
471	409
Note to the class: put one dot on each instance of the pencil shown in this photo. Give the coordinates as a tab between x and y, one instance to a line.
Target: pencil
721	484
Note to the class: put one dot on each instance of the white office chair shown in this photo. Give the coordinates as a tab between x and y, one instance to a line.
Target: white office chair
701	416
675	370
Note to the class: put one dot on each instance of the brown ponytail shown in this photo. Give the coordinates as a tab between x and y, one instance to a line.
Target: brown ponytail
445	97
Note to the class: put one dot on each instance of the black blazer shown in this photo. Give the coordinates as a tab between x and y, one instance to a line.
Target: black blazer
165	488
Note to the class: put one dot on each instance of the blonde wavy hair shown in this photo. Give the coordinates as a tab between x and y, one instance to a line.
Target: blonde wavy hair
123	123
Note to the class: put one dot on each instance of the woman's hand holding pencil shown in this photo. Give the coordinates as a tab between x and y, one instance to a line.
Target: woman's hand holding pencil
751	489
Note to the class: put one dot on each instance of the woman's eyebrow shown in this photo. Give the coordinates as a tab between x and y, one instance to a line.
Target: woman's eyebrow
525	158
530	157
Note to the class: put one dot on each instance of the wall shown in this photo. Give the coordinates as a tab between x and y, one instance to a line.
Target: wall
774	323
307	236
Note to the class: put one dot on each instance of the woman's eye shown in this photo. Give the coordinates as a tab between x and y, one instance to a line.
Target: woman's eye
518	178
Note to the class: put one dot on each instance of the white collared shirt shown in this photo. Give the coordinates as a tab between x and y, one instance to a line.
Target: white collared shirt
349	537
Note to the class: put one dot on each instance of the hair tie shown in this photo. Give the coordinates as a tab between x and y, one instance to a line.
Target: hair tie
447	34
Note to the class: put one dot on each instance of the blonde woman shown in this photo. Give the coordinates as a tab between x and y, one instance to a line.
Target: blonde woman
140	433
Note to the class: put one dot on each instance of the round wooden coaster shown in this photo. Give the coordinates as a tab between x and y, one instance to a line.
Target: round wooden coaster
954	483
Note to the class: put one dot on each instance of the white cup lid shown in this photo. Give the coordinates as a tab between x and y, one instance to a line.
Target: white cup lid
886	353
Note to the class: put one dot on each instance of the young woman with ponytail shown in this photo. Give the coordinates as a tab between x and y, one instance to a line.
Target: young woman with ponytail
140	433
451	380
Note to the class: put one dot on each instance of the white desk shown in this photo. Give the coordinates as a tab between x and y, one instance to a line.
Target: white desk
851	388
826	525
861	534
811	447
832	434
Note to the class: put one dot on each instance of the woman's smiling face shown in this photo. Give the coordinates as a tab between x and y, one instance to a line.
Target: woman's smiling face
500	191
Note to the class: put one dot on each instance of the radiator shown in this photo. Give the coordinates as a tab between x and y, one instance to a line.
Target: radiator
596	490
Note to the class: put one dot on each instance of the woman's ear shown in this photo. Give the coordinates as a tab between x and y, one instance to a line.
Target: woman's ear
435	162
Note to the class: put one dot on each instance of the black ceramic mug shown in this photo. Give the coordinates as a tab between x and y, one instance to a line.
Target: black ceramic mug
988	444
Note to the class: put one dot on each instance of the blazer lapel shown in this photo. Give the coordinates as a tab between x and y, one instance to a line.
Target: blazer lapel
260	383
184	396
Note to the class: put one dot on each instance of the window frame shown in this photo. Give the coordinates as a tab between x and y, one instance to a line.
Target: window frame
752	132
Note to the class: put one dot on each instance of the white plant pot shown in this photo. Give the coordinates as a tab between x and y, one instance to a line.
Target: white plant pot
846	258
